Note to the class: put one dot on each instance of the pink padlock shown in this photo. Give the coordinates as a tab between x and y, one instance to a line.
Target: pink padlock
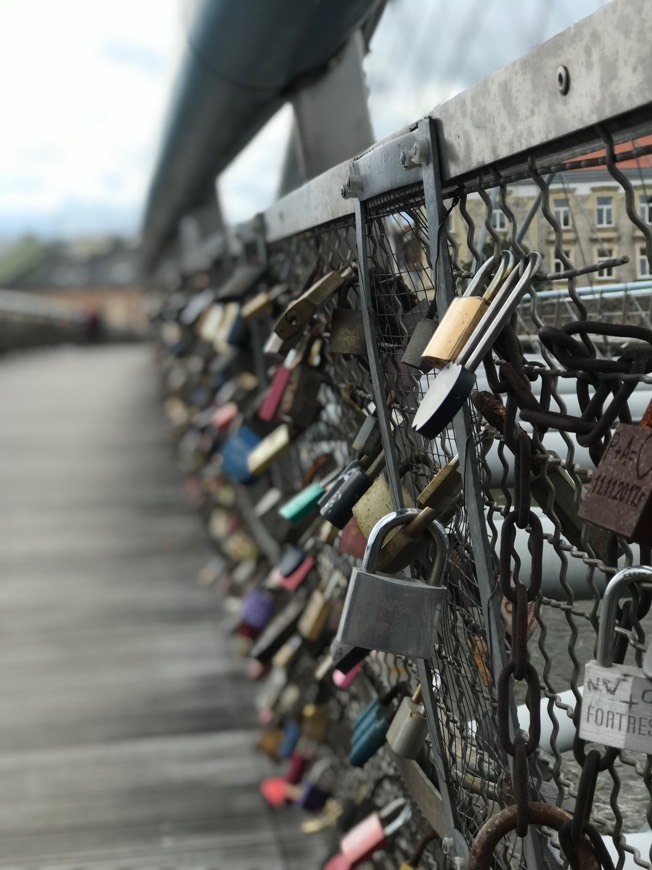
373	833
342	680
292	581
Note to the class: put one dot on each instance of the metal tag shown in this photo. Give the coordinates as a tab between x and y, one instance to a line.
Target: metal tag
617	707
620	498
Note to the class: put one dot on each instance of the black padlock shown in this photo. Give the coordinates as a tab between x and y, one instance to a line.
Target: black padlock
337	505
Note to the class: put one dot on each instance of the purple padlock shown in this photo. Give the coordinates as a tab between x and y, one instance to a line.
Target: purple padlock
257	608
313	796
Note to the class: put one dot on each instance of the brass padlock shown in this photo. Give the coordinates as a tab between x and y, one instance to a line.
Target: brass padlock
315	616
299	312
465	312
315	721
269	449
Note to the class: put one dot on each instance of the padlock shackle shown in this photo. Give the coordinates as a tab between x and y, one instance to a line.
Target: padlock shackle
479	276
402	808
403	517
618	584
500	310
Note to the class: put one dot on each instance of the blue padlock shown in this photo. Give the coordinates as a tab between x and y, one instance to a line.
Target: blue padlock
235	454
370	728
291	735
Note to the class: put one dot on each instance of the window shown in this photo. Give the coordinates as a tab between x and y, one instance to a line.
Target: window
558	265
605	254
645	207
498	219
643	263
562	212
604	213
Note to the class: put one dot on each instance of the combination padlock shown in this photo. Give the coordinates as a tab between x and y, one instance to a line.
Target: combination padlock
620	497
465	312
455	381
616	707
393	614
409	727
374	832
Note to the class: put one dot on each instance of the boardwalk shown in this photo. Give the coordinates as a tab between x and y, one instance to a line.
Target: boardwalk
126	727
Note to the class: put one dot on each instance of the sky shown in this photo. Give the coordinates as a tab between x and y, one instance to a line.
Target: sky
85	86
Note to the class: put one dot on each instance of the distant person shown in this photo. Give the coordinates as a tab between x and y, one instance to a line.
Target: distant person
94	326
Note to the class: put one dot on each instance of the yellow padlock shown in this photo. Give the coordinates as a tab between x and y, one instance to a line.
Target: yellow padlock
464	313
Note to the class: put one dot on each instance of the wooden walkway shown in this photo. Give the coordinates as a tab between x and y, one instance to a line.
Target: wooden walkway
126	726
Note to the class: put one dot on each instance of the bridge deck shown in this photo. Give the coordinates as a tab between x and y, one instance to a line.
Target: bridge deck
126	727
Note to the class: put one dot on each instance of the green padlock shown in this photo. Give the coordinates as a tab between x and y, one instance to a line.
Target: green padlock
303	503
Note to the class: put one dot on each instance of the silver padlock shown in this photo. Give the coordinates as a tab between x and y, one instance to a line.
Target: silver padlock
617	701
392	614
409	727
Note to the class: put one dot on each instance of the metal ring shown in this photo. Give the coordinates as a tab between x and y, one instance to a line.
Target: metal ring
495	828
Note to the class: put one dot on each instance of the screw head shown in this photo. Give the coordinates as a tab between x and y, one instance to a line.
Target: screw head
563	80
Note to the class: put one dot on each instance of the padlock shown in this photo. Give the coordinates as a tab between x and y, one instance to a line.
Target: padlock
421	335
278	631
315	616
337	505
299	312
278	790
257	608
269	409
344	680
620	497
374	832
269	742
367	438
294	568
370	728
465	312
409	727
438	501
300	405
291	736
351	541
284	657
314	792
347	334
388	613
196	307
307	500
616	707
316	721
262	303
235	453
375	503
267	451
455	381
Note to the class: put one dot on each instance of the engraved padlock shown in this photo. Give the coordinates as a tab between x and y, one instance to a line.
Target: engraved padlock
620	497
455	381
616	707
409	727
389	613
465	312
